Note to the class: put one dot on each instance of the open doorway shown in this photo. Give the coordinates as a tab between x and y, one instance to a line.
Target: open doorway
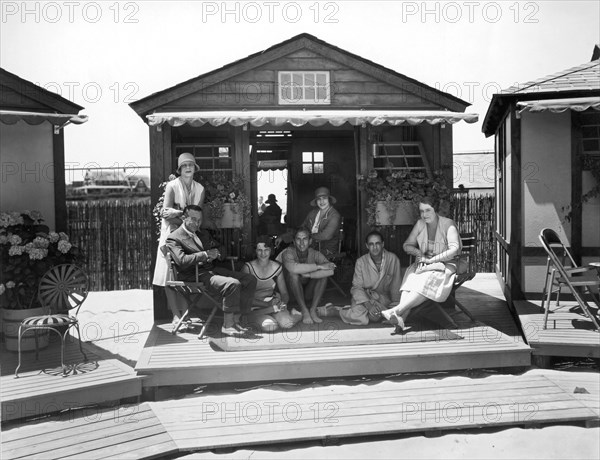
273	182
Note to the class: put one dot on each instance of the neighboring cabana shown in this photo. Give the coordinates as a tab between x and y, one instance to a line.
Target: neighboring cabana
33	148
319	112
547	158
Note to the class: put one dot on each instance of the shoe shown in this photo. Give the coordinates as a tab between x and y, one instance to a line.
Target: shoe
234	331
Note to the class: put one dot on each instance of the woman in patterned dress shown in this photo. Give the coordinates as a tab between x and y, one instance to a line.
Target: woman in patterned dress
435	243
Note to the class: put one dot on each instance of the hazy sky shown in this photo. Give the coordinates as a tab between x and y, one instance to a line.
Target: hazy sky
102	55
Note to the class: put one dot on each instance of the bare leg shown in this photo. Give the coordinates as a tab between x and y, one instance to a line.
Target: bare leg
318	288
408	301
295	284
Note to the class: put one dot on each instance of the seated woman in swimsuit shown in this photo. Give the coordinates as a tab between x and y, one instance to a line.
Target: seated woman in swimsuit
269	308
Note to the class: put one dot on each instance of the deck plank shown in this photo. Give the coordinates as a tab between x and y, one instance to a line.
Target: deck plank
126	432
561	338
251	418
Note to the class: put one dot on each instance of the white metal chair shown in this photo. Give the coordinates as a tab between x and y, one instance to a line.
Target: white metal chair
61	290
559	275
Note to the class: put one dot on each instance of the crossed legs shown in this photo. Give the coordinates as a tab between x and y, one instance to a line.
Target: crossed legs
408	301
307	289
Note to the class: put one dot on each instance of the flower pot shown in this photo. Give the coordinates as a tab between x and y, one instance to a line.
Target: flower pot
405	213
11	319
232	216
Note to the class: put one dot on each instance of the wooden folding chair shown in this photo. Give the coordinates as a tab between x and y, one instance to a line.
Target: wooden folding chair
337	258
466	269
192	292
559	275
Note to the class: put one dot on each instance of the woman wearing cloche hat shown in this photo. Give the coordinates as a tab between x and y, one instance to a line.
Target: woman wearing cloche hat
324	222
179	193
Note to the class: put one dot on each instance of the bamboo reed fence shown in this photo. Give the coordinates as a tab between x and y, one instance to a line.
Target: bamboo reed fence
118	237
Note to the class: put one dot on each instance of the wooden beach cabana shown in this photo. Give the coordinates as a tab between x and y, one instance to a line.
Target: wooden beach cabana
547	135
317	111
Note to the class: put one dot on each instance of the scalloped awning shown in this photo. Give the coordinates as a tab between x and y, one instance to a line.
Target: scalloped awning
10	117
579	104
313	117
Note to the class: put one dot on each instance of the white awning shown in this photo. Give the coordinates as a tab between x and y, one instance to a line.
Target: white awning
579	104
10	117
312	117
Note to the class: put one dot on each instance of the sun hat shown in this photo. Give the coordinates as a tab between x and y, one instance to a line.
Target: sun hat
322	191
271	199
184	158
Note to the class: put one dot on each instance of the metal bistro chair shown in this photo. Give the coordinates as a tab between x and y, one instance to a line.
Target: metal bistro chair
192	292
63	288
559	275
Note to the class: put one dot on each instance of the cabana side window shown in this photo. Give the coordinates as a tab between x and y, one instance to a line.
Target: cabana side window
212	158
304	88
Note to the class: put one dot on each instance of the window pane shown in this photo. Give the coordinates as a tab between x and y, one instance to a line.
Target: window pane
306	157
286	78
321	79
321	93
318	157
309	79
286	93
297	79
297	93
307	169
319	169
309	93
223	152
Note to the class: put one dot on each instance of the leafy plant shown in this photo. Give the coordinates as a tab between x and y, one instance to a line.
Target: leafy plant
220	190
28	249
392	187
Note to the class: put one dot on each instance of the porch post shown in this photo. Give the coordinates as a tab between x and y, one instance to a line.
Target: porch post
576	188
516	190
161	165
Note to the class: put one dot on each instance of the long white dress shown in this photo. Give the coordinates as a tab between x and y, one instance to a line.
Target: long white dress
181	200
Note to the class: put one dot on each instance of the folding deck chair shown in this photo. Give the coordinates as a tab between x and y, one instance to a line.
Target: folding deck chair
337	258
559	275
466	270
192	292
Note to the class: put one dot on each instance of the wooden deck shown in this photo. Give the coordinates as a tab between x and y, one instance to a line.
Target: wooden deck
495	342
41	389
123	432
264	417
569	332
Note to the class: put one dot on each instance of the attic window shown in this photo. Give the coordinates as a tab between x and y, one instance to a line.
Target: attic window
304	88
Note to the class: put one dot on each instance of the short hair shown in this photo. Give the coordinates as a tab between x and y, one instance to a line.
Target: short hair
302	229
373	233
431	200
266	240
192	207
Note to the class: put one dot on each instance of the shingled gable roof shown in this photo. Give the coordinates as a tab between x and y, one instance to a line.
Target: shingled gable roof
303	41
582	80
47	101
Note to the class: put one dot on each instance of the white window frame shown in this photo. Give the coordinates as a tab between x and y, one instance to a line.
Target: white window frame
297	80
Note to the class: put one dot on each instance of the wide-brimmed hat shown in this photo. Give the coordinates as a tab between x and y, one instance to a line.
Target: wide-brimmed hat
184	158
271	199
323	191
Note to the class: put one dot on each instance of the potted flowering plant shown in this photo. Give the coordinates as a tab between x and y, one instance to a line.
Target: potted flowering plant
226	201
389	192
28	249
